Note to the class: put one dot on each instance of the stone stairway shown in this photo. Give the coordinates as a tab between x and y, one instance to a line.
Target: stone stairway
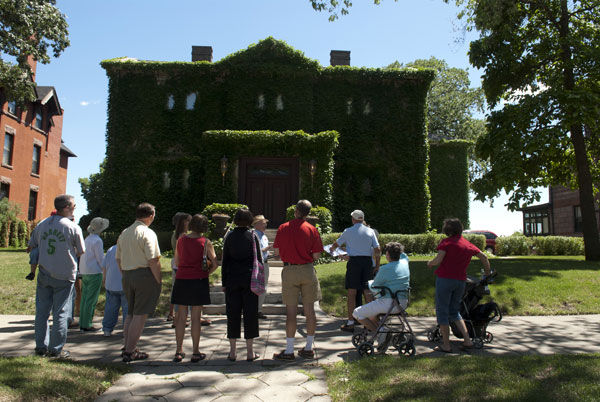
273	304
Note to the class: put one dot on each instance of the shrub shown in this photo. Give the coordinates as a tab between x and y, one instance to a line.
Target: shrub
226	209
324	215
557	245
512	245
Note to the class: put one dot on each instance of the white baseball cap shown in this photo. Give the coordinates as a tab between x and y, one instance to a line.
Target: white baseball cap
358	215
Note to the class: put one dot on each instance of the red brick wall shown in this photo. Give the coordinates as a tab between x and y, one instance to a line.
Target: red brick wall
52	179
563	202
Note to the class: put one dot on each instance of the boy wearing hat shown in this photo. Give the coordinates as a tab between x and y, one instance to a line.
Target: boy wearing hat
90	267
260	225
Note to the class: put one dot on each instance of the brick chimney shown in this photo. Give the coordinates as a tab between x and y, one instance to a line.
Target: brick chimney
33	65
339	58
202	53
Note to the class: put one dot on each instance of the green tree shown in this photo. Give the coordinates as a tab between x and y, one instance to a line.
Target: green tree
333	7
93	192
541	76
28	28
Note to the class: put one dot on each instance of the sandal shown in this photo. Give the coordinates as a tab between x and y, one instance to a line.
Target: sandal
441	349
135	355
231	358
178	357
254	357
170	318
196	357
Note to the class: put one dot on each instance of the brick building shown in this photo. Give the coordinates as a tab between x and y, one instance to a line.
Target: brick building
561	216
34	159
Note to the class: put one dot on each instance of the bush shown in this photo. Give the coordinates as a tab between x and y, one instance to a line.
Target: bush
557	245
324	215
512	245
424	243
223	209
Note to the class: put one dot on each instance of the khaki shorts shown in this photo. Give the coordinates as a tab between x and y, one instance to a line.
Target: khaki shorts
299	280
141	290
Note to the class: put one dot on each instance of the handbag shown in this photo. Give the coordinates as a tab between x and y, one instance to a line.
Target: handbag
257	279
205	263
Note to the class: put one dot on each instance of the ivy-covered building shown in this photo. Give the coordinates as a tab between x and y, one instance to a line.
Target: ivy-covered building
266	126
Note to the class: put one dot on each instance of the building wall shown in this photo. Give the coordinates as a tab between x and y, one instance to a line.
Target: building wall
563	202
52	179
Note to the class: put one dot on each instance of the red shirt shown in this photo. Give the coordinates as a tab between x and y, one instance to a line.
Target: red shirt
459	252
297	240
191	253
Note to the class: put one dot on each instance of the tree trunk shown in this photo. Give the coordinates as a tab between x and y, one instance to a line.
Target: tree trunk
591	237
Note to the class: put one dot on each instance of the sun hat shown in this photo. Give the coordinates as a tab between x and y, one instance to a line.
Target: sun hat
97	225
259	218
358	215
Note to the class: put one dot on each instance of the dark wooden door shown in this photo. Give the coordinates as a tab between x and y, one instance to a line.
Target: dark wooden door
268	186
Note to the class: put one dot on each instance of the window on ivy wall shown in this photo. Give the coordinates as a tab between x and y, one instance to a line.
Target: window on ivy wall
9	144
32	205
536	222
260	102
4	190
190	101
349	107
279	102
35	163
186	178
12	107
171	102
577	219
367	108
166	180
38	118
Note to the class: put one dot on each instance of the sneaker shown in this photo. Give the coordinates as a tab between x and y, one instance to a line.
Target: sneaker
89	329
40	351
74	324
284	356
107	333
307	354
347	327
63	354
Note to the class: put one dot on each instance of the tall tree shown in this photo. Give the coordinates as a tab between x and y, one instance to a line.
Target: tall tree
28	28
541	73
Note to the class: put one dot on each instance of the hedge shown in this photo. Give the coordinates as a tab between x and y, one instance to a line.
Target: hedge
540	245
424	243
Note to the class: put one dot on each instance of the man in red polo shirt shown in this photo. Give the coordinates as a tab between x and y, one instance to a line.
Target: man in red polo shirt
299	246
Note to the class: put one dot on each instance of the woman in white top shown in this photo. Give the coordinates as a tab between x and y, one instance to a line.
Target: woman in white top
90	267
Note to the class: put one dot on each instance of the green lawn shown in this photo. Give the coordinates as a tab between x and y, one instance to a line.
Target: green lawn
467	378
34	378
17	295
524	286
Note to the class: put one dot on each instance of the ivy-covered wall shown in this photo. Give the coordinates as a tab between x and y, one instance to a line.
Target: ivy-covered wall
449	181
158	112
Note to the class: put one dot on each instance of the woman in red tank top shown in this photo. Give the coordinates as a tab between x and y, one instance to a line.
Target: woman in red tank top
191	286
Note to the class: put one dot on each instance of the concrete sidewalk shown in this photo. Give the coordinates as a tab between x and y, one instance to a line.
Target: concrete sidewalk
216	378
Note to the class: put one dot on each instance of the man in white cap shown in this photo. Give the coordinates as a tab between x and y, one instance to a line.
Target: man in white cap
60	242
260	225
361	243
90	268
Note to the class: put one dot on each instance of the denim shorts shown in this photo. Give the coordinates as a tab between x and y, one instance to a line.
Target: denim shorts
448	296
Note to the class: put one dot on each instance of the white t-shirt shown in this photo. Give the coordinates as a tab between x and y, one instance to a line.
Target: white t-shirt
91	262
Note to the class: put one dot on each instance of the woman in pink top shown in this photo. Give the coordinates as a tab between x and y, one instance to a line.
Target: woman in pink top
454	256
191	286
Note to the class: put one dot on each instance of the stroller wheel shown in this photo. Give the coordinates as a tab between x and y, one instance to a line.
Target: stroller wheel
365	349
478	343
407	349
431	335
489	337
357	339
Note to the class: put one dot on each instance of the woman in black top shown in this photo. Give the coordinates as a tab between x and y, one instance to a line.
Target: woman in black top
236	270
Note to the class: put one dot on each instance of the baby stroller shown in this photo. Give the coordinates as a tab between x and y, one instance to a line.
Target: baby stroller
399	334
476	316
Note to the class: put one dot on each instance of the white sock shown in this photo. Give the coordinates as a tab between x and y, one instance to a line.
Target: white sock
309	342
289	349
350	322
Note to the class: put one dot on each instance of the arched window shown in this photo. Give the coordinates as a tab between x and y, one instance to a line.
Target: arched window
279	102
190	101
260	102
171	102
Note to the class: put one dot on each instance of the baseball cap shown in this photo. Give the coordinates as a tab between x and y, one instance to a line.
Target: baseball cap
358	215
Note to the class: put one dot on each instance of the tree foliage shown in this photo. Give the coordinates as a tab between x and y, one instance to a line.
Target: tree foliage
539	59
333	7
28	28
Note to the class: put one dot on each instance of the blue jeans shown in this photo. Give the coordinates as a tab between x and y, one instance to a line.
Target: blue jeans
448	296
52	295
114	301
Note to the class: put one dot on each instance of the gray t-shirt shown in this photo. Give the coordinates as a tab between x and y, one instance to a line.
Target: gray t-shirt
59	241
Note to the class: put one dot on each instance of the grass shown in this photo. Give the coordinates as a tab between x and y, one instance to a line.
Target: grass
40	379
533	285
467	378
17	295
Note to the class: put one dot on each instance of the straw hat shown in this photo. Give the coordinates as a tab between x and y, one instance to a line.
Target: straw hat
259	218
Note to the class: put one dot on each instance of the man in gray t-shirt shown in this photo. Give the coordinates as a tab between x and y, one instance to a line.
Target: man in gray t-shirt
60	243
